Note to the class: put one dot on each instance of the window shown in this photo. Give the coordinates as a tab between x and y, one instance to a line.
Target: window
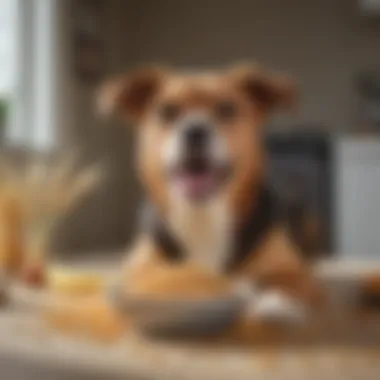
30	71
7	64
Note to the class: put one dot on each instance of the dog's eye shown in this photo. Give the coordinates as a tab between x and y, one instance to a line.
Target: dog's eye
169	112
226	110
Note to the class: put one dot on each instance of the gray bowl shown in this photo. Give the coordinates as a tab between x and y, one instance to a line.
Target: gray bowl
178	317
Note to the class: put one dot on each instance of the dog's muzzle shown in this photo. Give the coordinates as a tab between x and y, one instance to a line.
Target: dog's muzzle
198	171
196	140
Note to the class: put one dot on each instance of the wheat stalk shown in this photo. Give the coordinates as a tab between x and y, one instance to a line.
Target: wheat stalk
43	193
53	192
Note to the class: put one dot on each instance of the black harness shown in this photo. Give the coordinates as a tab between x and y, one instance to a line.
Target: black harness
264	215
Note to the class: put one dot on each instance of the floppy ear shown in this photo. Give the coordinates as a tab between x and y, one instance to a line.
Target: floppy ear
269	91
131	93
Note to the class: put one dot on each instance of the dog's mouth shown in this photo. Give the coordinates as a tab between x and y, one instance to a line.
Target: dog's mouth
199	178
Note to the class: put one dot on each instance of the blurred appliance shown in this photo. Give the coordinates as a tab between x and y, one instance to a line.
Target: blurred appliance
369	7
357	187
368	88
301	167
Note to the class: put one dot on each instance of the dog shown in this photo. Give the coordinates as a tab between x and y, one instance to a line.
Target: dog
201	159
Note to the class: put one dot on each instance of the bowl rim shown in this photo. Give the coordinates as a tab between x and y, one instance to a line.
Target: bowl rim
126	301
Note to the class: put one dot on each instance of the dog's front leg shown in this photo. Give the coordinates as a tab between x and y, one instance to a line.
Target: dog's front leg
278	286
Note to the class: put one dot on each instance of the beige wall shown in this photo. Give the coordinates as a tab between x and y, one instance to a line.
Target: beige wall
104	220
323	43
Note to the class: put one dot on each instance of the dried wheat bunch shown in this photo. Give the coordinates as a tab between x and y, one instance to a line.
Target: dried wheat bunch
33	200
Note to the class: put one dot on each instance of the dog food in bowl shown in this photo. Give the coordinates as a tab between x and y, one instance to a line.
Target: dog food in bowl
179	301
182	281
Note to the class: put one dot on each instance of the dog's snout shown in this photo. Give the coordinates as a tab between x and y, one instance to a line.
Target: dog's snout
197	136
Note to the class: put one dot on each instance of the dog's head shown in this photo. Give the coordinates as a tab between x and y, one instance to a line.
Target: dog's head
199	134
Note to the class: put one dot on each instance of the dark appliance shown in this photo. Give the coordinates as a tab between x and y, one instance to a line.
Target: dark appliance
300	170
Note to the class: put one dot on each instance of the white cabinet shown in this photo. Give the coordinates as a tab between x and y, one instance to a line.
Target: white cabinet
357	197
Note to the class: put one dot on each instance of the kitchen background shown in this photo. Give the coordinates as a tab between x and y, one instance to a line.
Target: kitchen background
63	49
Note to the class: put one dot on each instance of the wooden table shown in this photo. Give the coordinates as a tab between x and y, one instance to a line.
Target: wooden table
26	338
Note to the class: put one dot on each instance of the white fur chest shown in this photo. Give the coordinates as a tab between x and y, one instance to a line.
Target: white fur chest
204	231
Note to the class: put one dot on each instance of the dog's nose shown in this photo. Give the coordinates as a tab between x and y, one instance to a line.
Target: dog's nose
196	137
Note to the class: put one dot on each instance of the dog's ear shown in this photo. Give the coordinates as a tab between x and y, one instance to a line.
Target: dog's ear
269	91
131	93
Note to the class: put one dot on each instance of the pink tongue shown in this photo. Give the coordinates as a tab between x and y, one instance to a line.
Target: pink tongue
197	185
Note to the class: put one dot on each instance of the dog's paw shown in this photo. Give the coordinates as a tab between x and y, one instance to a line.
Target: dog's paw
245	289
277	308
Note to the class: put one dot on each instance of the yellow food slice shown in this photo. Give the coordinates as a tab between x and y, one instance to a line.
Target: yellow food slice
71	281
87	316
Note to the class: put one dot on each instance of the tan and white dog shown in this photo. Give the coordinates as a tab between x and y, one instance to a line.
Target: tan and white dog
202	162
